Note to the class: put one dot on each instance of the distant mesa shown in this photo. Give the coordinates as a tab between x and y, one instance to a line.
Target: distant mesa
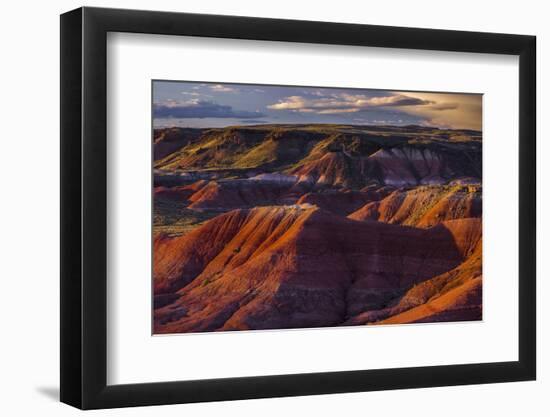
325	154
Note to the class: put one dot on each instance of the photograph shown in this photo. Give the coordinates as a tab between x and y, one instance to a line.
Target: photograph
268	209
293	207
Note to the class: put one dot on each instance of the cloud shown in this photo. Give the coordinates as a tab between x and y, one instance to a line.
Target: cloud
460	111
345	103
336	111
444	106
398	100
223	88
456	111
199	109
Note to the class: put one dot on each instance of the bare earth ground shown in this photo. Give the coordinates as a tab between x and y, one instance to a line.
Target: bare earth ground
315	225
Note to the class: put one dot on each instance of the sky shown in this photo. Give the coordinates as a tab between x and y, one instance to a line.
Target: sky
204	105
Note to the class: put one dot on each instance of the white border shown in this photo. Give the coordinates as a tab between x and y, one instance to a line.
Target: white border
134	356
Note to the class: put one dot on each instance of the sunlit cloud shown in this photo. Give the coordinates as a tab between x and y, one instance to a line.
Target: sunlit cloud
443	110
214	102
223	88
337	111
343	102
456	111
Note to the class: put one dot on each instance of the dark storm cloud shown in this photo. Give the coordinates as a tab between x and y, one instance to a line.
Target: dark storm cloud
200	109
444	106
407	101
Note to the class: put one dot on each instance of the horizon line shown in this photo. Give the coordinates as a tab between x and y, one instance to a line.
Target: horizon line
317	124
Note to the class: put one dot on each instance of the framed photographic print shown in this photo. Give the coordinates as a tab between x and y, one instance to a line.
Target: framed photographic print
257	208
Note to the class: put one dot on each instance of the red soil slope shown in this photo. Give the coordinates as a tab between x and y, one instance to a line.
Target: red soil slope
398	167
424	206
343	202
179	193
233	194
332	169
410	166
453	295
461	303
276	267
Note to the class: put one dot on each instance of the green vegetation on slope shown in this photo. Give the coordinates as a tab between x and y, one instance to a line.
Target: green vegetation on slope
280	147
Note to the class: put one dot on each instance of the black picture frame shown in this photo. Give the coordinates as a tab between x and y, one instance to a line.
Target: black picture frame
84	207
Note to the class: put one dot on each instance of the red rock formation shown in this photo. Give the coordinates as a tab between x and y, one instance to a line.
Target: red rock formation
424	206
332	169
343	202
280	267
404	255
459	203
179	193
410	166
462	303
239	193
458	292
